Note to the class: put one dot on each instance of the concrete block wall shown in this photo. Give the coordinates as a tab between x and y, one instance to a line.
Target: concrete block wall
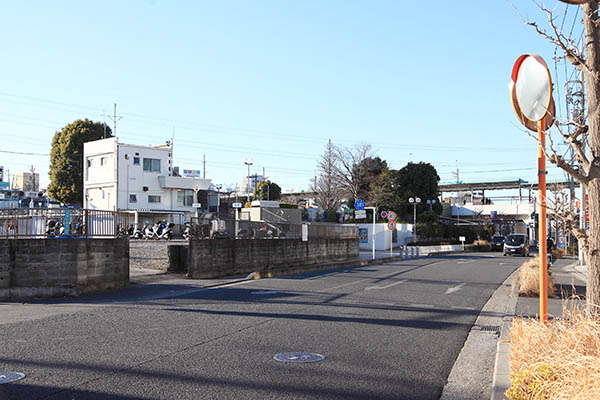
218	258
62	267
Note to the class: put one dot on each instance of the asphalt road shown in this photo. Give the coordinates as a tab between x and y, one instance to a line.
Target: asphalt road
389	331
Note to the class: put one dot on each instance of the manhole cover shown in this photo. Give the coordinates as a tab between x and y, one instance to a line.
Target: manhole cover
299	357
264	292
9	377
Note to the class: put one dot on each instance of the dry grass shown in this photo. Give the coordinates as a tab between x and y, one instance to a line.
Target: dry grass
557	253
557	361
529	279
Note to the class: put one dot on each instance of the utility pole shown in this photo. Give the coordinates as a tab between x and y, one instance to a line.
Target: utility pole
204	166
114	118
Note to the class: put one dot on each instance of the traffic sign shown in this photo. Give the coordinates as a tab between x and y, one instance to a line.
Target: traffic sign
360	214
196	205
359	204
236	205
384	214
392	216
391	225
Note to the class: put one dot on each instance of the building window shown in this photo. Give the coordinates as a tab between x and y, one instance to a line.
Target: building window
133	198
153	199
185	197
89	162
151	164
136	161
102	160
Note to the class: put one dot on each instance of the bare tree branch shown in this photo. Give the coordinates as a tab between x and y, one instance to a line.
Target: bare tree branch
565	212
569	48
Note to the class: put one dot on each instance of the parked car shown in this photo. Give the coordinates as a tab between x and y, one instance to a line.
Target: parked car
516	243
497	243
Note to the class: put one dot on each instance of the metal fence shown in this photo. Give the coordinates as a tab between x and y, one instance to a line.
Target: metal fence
226	229
59	222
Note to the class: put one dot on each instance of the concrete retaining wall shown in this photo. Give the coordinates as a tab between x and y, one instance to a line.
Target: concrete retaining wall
62	267
217	258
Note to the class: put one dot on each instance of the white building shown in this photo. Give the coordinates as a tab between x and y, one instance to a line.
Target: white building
140	180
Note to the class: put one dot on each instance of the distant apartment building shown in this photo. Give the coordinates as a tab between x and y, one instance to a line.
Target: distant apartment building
141	180
249	184
26	181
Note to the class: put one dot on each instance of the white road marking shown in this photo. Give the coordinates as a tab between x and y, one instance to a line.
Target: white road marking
463	308
466	262
456	288
386	286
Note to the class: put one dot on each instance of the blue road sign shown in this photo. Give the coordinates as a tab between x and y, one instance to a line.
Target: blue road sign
359	204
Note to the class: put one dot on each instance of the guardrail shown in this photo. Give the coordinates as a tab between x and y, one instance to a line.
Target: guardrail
60	222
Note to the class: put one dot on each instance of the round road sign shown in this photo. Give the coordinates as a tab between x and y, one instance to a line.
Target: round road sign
384	214
359	204
392	216
391	225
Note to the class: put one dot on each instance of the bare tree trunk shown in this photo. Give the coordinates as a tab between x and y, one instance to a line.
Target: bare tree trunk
592	42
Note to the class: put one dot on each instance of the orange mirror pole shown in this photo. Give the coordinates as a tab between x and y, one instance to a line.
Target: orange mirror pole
542	242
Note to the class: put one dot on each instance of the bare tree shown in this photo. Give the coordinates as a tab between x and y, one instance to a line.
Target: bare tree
326	184
348	167
586	170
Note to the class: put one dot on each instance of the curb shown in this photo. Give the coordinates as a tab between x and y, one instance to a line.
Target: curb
501	379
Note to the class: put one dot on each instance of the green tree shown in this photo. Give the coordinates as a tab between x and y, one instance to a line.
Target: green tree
382	193
366	172
66	159
416	180
267	190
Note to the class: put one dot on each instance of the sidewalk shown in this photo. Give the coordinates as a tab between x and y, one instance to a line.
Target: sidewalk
569	278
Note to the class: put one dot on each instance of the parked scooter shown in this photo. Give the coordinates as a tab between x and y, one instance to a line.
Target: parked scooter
148	232
54	228
135	232
165	231
187	231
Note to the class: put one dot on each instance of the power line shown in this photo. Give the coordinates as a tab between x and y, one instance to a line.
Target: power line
24	153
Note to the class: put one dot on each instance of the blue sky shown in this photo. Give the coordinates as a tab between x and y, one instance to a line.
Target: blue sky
272	81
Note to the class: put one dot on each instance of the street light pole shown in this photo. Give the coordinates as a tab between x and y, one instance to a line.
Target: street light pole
414	202
248	163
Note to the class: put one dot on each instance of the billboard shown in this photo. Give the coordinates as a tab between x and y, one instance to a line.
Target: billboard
192	172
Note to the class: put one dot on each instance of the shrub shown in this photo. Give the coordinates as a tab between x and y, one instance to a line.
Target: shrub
478	247
557	361
556	254
529	279
532	382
